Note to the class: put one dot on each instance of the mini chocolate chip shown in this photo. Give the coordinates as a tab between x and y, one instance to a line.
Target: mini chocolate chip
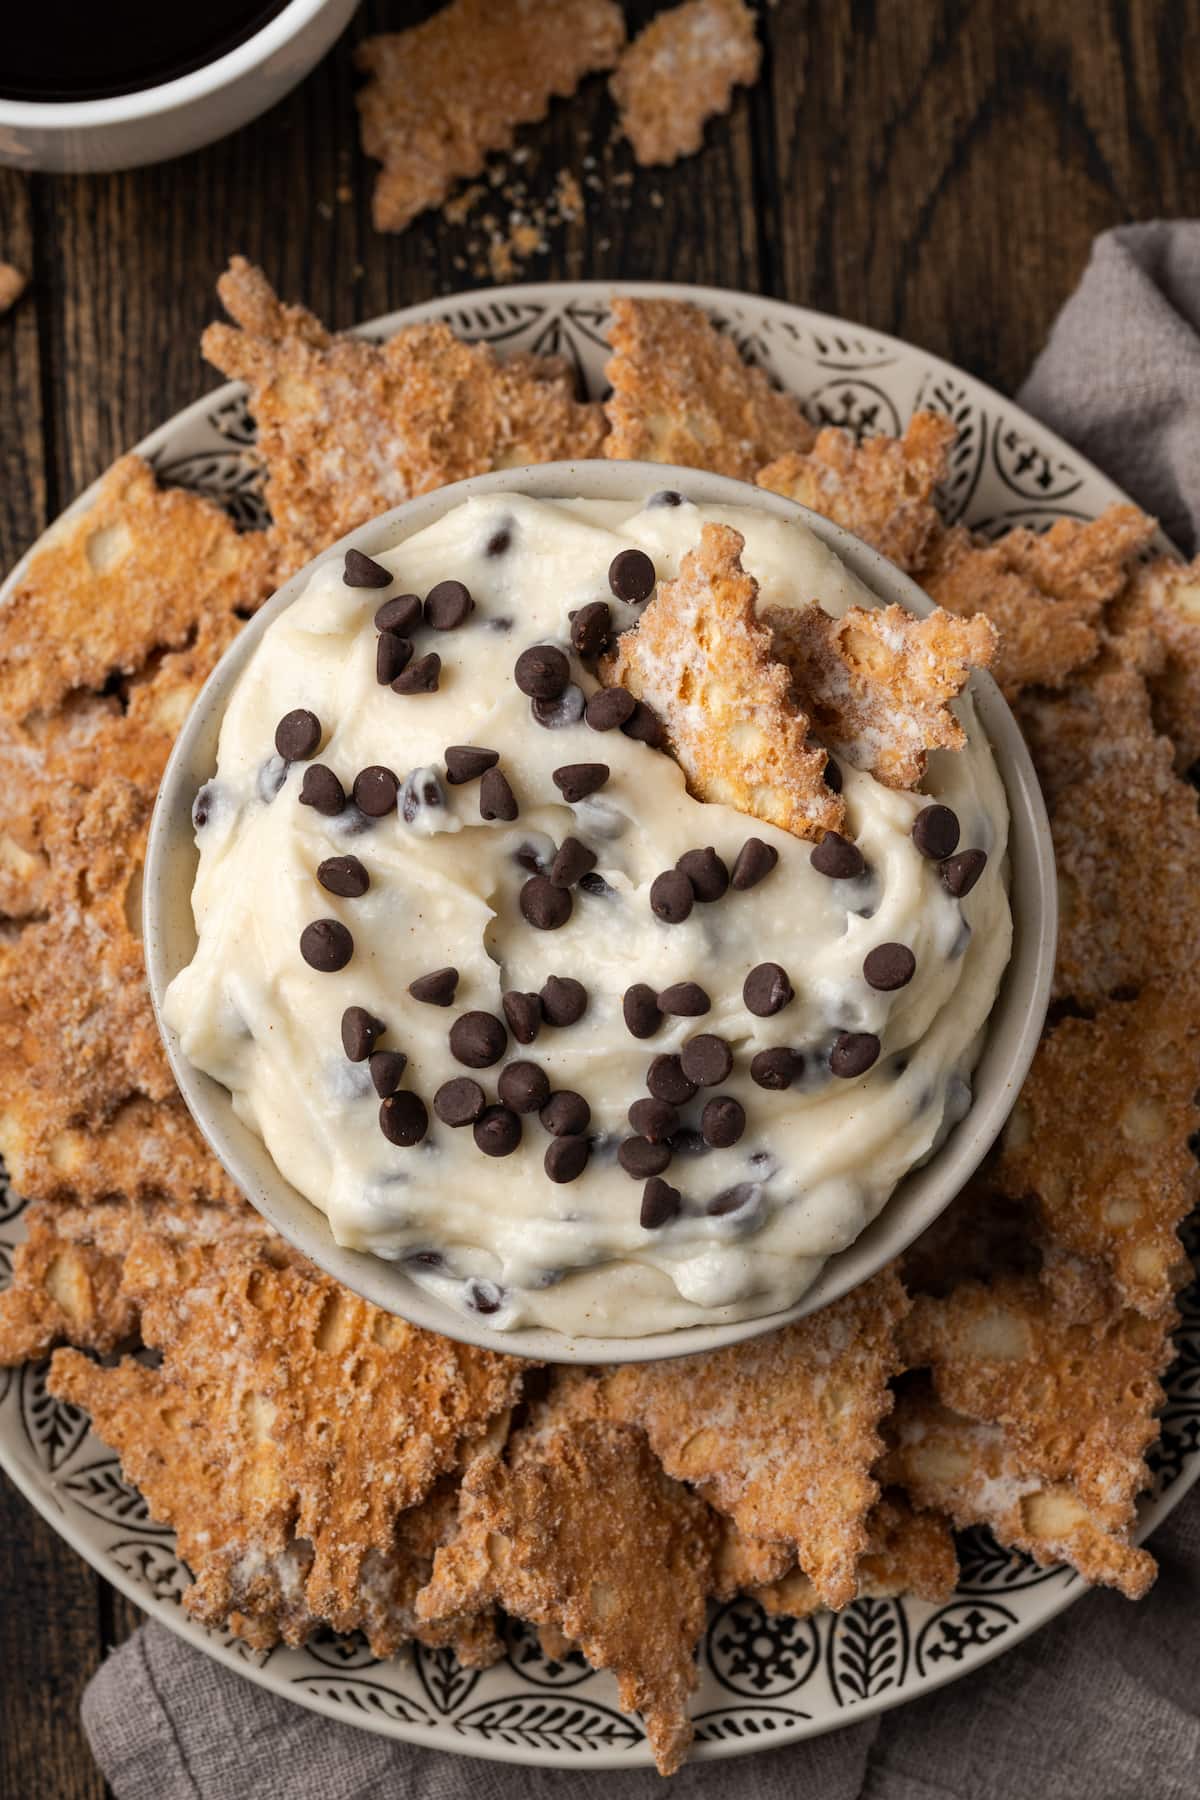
326	945
448	605
592	883
359	1031
545	906
500	542
660	1204
776	1068
566	1114
665	497
566	1158
459	1101
575	781
609	707
766	990
374	791
393	654
387	1070
686	999
360	571
403	1119
687	1142
421	793
572	861
653	1119
482	1297
564	1000
640	1158
723	1121
322	790
835	781
889	966
464	762
344	876
420	677
640	1007
666	1080
497	1131
754	861
671	897
524	1087
528	856
643	725
478	1039
524	1015
732	1200
853	1053
438	988
556	715
591	628
542	672
960	873
297	735
836	857
935	832
271	777
496	798
706	1059
631	575
401	614
706	872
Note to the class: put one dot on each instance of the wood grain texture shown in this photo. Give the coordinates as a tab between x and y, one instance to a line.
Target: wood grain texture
930	167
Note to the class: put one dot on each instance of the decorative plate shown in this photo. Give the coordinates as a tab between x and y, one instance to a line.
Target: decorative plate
763	1681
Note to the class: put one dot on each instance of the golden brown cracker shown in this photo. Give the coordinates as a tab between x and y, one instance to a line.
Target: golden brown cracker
706	667
877	683
973	1474
679	72
781	1432
881	489
349	428
907	1553
44	765
447	93
1157	624
1099	723
142	567
577	1528
682	394
743	1563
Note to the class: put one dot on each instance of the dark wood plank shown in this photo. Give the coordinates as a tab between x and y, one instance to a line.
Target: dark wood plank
23	498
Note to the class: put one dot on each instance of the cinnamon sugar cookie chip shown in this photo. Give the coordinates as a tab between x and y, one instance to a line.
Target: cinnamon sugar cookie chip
349	428
1099	1138
743	1563
1157	622
286	1412
881	489
1071	1375
705	666
447	93
907	1553
576	1528
877	683
140	569
780	1433
1045	594
1098	724
975	1475
45	765
682	394
679	72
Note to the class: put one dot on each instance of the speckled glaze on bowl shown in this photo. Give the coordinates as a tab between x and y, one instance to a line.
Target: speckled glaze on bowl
1013	1030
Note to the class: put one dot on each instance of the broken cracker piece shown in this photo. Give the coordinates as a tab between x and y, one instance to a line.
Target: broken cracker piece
743	1563
973	1474
287	1413
1099	723
1157	622
577	1528
881	489
682	394
679	72
141	568
907	1553
701	661
781	1432
12	285
445	94
877	683
1099	1139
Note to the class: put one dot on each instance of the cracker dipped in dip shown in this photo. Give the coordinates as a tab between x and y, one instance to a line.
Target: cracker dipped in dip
507	998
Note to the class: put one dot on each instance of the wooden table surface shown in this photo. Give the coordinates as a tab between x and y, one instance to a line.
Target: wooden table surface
933	169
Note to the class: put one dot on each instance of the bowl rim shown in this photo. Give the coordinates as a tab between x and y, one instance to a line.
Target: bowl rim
164	96
1018	1012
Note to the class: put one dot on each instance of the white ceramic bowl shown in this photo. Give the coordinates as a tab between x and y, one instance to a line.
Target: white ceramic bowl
123	131
1014	1027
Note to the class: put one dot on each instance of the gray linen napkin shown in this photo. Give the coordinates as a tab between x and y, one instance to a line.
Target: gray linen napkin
1104	1703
